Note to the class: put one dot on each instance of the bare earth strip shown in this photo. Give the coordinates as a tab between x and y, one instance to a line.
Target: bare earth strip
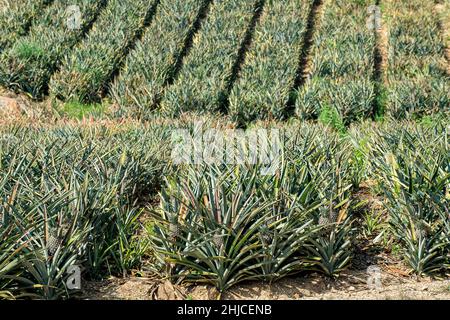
351	285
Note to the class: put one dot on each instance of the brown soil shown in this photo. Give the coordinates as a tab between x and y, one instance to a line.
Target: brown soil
13	107
351	285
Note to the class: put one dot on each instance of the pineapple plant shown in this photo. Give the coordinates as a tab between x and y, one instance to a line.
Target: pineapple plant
417	81
85	72
16	17
341	72
413	170
329	158
29	63
236	224
208	68
269	72
330	253
157	56
71	199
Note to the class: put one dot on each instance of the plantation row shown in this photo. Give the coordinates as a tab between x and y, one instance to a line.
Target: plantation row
206	72
32	59
69	196
226	224
157	56
16	17
238	57
87	69
417	82
268	75
340	78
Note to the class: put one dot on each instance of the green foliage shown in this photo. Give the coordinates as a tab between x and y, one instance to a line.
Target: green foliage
330	117
331	249
381	102
224	224
29	63
16	16
212	233
372	223
84	73
417	82
68	197
209	66
270	69
156	57
353	99
412	166
79	110
342	64
29	51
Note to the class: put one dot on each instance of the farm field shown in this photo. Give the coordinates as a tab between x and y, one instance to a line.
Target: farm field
222	143
249	60
18	18
413	65
341	75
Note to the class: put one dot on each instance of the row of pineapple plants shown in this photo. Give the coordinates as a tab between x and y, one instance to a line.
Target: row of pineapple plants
16	16
68	198
417	82
270	70
411	165
30	62
154	60
85	72
340	75
207	70
72	196
224	223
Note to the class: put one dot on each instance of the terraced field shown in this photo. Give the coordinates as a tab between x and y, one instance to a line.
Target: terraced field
335	115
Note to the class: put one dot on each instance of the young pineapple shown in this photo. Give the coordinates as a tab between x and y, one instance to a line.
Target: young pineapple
53	243
323	220
333	216
56	239
328	215
422	229
218	240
